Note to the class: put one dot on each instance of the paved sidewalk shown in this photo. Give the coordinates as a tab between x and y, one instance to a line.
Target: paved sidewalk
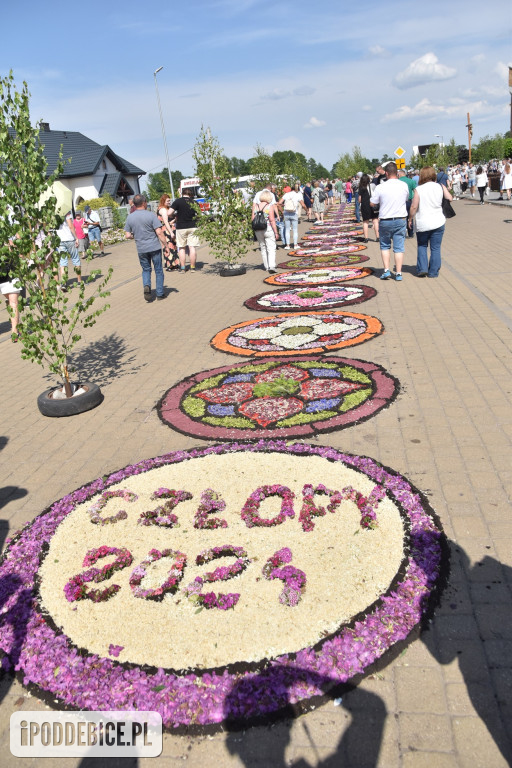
446	702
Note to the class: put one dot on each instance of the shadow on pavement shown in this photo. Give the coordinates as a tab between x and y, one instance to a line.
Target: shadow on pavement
479	648
104	360
266	745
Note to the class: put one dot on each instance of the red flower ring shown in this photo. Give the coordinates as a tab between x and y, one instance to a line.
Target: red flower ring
299	397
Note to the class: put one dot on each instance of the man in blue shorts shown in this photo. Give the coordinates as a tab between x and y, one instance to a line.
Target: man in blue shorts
392	199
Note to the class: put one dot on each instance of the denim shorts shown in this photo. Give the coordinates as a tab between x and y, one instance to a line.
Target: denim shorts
95	234
392	231
67	248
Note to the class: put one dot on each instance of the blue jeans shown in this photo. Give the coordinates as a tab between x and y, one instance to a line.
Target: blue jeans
434	237
155	258
291	219
349	197
392	231
358	205
280	228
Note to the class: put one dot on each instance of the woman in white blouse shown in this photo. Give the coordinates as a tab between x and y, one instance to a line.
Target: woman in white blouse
481	182
430	219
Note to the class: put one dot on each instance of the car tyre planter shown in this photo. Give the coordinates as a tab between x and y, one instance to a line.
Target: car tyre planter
236	269
70	406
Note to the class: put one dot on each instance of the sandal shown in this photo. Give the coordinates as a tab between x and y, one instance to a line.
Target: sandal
15	337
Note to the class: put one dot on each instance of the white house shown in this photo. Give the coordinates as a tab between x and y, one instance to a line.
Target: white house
93	170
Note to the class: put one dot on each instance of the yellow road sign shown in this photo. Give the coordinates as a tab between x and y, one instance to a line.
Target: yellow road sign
399	151
400	162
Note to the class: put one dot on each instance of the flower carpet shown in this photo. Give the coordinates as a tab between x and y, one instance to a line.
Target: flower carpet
323	260
299	397
302	332
241	581
225	602
319	297
328	249
324	276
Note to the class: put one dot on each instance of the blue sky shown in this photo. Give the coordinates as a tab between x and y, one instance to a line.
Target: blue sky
289	75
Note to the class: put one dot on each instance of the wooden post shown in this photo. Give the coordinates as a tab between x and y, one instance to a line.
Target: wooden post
470	134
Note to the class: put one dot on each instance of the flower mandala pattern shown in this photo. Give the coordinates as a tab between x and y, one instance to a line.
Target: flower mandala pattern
276	398
328	250
321	260
319	276
46	659
307	332
319	297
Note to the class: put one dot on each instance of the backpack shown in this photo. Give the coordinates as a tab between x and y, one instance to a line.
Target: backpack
290	206
322	197
259	222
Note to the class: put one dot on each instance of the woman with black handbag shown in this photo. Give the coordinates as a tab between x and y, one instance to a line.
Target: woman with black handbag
427	206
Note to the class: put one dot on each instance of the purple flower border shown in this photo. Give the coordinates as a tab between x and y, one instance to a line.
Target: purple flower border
45	660
253	303
385	389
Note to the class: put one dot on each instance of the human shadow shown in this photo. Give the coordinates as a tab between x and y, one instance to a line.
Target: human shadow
104	360
359	744
475	631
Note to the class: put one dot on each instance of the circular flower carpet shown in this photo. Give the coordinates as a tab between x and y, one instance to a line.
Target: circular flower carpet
277	399
321	260
305	333
316	276
327	242
320	297
166	586
340	237
328	249
346	229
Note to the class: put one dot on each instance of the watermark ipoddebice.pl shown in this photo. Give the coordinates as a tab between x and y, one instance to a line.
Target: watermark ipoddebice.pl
86	734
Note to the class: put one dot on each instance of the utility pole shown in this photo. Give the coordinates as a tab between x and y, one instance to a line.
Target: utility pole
470	134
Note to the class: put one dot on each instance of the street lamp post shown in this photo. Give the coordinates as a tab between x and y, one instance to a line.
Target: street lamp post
438	136
163	130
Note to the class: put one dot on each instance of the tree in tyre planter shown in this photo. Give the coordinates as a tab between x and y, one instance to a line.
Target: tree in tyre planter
226	227
50	319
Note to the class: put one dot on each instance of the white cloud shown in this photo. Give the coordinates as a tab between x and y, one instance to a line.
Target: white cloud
314	122
425	109
426	69
379	51
478	58
501	69
366	108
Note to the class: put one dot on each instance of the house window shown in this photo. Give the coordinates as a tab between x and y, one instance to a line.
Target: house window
104	164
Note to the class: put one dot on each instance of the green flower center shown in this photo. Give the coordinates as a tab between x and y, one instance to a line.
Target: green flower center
310	295
296	330
279	387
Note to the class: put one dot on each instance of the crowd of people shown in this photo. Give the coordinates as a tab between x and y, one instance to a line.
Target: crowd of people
396	204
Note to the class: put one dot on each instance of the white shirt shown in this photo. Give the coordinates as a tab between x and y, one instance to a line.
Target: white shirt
296	199
256	200
481	179
430	213
392	198
64	231
93	218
